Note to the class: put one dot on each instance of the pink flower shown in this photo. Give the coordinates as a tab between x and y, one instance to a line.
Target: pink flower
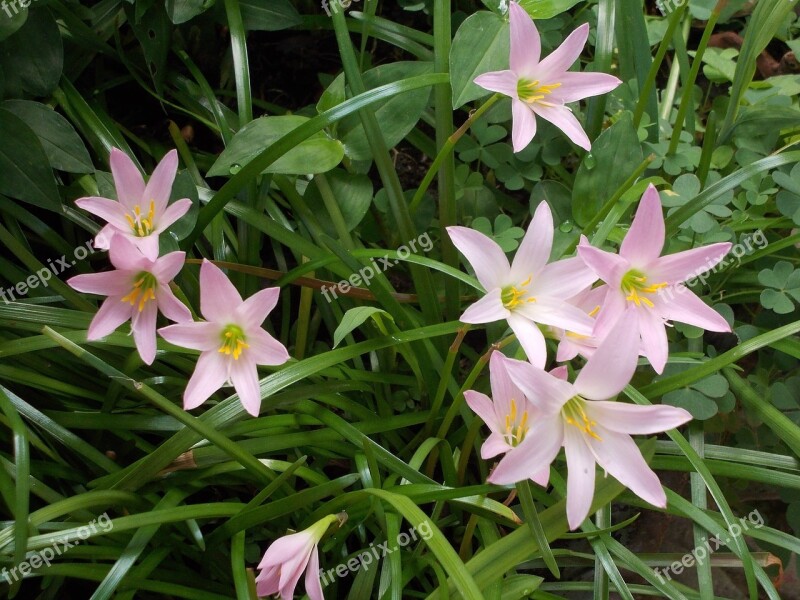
591	301
544	87
591	429
528	291
136	290
508	414
231	340
287	557
142	212
640	278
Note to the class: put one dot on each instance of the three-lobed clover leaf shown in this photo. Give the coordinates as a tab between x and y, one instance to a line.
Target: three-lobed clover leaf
783	286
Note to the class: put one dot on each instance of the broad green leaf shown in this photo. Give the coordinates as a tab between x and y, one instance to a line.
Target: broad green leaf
25	172
481	44
268	15
180	11
32	58
546	9
354	318
12	20
62	145
396	117
613	158
153	29
353	194
317	154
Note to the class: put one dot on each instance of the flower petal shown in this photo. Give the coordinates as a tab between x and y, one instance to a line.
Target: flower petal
577	86
634	419
267	581
287	547
108	210
113	313
482	406
564	278
523	125
678	267
534	251
654	339
526	45
557	313
682	305
486	257
503	389
171	307
265	349
159	187
201	336
168	266
562	58
126	256
530	337
143	326
618	454
110	283
537	450
210	374
547	392
218	297
313	585
494	445
244	376
504	82
127	179
612	365
580	476
486	310
607	266
542	478
172	213
562	117
252	312
102	240
148	245
645	239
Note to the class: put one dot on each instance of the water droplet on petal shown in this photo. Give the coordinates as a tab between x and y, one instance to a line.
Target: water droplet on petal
235	168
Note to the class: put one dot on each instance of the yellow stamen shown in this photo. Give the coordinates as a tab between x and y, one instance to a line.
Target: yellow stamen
512	296
515	428
533	91
575	415
143	290
233	342
140	225
634	284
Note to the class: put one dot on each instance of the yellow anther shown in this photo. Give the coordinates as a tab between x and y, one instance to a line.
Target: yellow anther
233	342
140	225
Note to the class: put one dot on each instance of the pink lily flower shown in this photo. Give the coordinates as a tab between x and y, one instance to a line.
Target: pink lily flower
639	277
137	290
592	429
528	291
141	213
287	557
543	88
572	344
508	414
231	340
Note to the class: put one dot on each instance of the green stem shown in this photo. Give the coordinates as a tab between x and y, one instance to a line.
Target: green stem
688	89
334	212
535	525
447	148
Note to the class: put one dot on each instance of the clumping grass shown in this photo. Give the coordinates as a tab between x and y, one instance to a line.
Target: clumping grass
427	299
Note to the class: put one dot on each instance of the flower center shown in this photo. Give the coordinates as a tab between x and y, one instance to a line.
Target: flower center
579	336
516	425
532	91
574	413
144	289
634	284
142	225
512	296
233	341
